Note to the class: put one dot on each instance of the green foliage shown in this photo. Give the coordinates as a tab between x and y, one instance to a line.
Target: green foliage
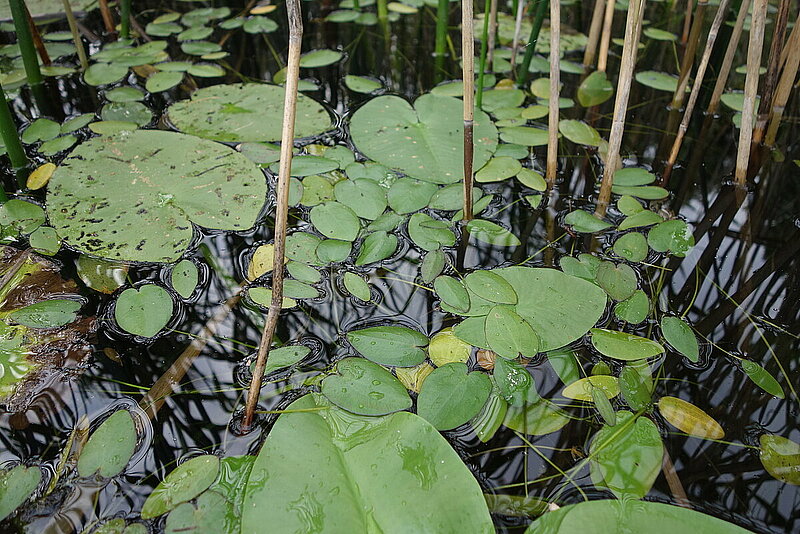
16	485
110	447
389	345
365	388
143	311
451	396
187	481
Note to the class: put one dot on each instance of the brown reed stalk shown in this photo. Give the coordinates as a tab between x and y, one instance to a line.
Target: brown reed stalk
688	57
629	51
687	22
517	31
37	38
108	19
773	71
555	82
754	49
492	35
468	74
76	38
785	85
719	18
786	49
594	33
294	15
605	36
727	61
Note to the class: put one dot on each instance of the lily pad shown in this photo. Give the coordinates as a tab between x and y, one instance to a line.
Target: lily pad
595	89
365	388
781	458
134	196
389	345
110	447
16	485
424	141
143	311
377	246
679	334
245	112
623	346
186	482
451	395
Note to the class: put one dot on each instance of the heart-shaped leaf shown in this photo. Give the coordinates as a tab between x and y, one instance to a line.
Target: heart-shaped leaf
509	335
184	277
390	345
365	388
451	395
336	221
143	311
619	281
186	482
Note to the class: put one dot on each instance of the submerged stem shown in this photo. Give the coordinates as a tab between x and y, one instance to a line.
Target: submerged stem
282	205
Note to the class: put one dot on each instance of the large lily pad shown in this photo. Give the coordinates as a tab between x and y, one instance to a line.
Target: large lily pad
343	473
245	113
424	141
134	196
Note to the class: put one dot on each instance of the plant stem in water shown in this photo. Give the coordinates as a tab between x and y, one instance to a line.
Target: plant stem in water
468	74
594	33
727	62
484	50
773	70
125	18
698	81
76	38
785	85
629	50
25	42
530	49
8	129
282	205
37	38
689	53
440	53
108	20
517	29
492	33
605	36
552	116
754	49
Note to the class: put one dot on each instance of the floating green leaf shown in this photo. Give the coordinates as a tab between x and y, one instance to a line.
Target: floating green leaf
24	217
186	482
491	233
490	286
377	246
762	378
671	236
536	419
660	81
780	457
366	198
424	141
595	89
143	311
623	346
16	485
336	221
163	80
579	132
582	389
583	221
634	309
432	265
635	389
429	233
245	112
631	246
360	84
451	396
357	286
509	335
319	58
679	334
139	211
110	447
390	345
452	292
498	169
514	383
446	348
209	517
47	313
365	388
619	280
184	277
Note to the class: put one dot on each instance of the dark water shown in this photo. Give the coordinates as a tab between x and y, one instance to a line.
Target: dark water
740	281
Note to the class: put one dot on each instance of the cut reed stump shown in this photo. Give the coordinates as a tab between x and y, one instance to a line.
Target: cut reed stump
282	206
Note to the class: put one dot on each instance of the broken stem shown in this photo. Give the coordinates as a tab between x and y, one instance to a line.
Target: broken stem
282	205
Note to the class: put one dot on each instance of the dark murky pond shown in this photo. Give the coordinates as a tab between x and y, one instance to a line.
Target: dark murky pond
738	286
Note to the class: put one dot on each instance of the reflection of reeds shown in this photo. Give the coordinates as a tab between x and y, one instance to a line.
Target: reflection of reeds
754	49
633	28
468	74
552	115
698	82
727	61
785	84
282	205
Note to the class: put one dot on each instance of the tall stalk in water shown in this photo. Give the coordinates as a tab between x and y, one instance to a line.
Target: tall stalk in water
698	82
468	74
108	20
594	33
282	205
10	134
25	42
754	49
125	19
439	53
629	50
727	61
484	51
605	36
689	53
492	33
538	18
76	38
552	115
785	85
517	29
773	71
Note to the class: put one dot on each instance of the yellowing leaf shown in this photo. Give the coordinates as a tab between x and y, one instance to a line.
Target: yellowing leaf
413	377
39	177
263	10
262	261
582	389
688	418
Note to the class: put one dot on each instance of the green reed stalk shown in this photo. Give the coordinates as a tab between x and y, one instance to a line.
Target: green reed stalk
629	50
754	48
688	56
727	61
555	82
383	11
442	12
698	82
282	205
8	129
484	50
76	38
785	84
773	71
25	41
522	71
468	75
125	19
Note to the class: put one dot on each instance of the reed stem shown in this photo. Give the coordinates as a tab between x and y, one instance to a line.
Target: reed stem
440	47
605	36
468	75
383	10
689	53
25	42
687	22
594	33
530	49
492	34
517	30
555	82
282	205
754	49
76	38
727	61
125	19
37	38
108	20
484	51
629	51
10	134
785	85
773	71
